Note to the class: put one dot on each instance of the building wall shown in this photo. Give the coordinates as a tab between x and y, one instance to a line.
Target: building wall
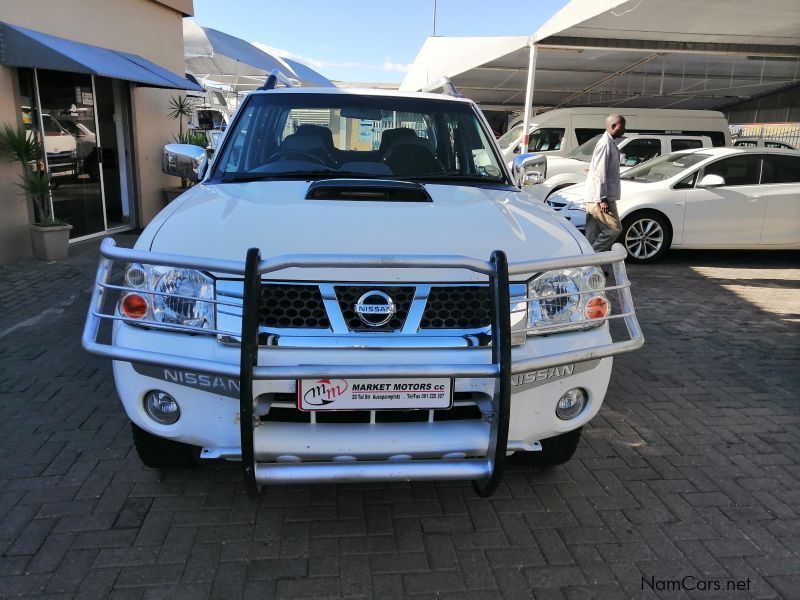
15	208
149	28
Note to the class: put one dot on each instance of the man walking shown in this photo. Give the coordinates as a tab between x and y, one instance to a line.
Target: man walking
602	188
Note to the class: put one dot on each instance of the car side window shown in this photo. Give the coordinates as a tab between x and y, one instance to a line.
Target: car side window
781	169
641	150
684	144
686	182
737	170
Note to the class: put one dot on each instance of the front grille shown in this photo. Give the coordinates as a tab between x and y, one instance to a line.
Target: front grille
292	306
348	296
457	307
290	414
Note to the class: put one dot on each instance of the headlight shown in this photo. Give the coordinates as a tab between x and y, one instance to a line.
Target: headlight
180	298
577	205
168	295
567	300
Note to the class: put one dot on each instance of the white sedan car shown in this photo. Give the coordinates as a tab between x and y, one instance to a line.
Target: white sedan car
739	198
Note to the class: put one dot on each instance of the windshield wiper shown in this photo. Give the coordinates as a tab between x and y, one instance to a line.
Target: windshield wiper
470	178
315	174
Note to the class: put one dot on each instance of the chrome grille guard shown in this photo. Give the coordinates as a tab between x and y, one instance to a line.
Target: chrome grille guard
485	472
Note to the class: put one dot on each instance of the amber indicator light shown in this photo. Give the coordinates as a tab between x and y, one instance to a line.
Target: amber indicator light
134	306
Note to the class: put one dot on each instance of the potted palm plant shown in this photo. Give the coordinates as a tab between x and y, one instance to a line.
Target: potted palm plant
49	234
180	108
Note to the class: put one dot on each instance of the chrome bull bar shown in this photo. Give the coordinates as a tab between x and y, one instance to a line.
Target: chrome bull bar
485	472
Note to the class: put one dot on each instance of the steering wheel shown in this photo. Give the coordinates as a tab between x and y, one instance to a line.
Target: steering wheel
295	155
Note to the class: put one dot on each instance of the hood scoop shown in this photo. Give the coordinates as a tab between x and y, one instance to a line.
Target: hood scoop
368	190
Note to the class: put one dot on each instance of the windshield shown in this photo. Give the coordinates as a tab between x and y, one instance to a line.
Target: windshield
303	136
665	167
585	150
510	137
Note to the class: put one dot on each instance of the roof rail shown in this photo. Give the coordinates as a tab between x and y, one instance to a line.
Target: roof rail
445	85
275	77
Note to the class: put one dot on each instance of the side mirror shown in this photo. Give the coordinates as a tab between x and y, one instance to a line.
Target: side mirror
711	180
185	161
529	169
623	160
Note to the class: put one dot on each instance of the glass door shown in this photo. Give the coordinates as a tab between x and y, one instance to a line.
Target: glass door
83	123
69	124
112	161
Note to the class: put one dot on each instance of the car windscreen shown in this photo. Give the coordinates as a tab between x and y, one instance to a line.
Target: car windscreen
510	137
584	151
306	136
665	167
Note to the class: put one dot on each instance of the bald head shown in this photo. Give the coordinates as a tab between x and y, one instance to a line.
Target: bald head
615	125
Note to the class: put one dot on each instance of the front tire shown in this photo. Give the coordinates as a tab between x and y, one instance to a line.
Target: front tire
555	451
646	236
160	453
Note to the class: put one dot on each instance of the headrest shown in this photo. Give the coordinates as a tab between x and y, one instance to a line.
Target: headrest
390	136
318	130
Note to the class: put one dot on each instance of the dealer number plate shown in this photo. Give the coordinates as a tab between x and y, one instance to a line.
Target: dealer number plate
374	394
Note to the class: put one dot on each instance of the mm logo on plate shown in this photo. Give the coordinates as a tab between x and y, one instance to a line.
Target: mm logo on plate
325	391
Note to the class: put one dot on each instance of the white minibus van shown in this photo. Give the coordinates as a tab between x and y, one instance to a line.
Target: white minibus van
562	130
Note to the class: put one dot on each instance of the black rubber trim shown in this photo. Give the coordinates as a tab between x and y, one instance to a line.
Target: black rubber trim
249	359
501	356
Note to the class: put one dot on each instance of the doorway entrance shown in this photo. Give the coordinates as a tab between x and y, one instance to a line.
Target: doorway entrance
82	120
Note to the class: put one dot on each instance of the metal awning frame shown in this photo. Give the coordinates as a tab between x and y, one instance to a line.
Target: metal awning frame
656	49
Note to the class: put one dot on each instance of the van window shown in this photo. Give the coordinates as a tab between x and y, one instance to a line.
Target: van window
640	150
778	145
685	144
584	134
547	138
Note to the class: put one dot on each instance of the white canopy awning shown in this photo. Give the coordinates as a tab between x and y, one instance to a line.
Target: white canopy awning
212	55
627	53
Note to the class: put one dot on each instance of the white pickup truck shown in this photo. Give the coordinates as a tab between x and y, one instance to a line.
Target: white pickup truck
354	299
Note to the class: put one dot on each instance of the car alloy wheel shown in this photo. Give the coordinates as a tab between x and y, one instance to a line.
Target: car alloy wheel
644	238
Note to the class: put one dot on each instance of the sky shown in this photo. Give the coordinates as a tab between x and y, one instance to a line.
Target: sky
365	41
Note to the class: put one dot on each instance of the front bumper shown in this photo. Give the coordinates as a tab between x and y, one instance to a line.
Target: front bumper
287	452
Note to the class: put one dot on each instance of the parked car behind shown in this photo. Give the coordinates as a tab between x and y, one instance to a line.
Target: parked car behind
752	142
709	198
60	147
558	132
558	172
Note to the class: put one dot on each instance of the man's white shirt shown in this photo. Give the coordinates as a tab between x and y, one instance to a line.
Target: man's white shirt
602	182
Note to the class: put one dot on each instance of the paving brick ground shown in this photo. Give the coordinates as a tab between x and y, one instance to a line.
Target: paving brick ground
689	471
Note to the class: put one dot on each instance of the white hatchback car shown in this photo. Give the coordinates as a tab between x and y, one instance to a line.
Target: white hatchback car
738	198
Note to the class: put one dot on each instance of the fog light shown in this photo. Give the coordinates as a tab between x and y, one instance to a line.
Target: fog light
571	404
161	407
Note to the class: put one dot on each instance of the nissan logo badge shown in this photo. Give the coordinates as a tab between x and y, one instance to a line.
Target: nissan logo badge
375	308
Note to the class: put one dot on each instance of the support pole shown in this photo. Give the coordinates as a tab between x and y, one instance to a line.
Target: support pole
523	148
